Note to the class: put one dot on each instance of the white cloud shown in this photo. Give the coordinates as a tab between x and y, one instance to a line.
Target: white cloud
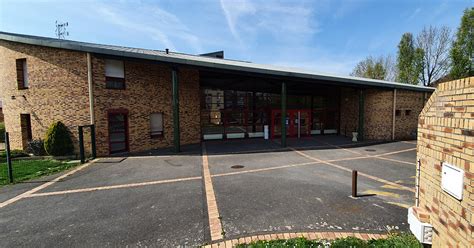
285	22
151	21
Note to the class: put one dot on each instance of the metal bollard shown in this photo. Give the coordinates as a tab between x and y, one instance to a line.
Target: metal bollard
9	158
354	183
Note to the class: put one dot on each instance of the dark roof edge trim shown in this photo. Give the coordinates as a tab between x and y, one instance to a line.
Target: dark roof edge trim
208	63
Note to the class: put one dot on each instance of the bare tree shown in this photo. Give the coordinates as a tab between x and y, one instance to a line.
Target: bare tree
435	43
391	68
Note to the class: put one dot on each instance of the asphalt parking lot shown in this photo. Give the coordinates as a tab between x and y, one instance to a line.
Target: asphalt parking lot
256	187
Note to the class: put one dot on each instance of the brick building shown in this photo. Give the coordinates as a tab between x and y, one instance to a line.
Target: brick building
142	99
445	192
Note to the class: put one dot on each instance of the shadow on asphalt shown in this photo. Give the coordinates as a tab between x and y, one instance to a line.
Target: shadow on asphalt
251	146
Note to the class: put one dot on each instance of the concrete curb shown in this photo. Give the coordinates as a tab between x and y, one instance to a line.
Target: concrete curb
308	235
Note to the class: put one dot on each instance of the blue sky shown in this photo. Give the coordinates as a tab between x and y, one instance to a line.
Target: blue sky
328	36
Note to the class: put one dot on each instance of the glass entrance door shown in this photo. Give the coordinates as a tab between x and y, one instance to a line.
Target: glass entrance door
297	123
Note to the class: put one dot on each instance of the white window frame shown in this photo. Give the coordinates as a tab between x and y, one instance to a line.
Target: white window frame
156	130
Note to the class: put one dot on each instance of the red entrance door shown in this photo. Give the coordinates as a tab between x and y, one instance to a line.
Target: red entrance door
297	120
118	132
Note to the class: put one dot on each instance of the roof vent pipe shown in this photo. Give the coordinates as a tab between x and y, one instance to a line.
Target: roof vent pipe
167	51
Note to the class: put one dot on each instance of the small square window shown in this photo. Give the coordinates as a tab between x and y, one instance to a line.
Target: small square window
407	112
114	74
22	74
156	122
398	112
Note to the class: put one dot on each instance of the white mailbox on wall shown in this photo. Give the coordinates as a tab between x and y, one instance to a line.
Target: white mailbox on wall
452	180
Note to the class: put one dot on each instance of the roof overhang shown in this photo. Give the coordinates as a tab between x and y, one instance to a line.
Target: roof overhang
207	62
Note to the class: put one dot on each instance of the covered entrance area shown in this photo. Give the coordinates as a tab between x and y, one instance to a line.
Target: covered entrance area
235	106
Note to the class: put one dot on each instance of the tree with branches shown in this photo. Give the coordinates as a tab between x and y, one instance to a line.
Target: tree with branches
462	51
435	44
381	68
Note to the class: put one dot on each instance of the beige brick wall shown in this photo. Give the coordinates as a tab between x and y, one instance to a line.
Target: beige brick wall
378	115
406	124
57	92
148	90
446	134
349	111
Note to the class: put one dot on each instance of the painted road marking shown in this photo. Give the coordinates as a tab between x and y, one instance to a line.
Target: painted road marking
400	204
303	164
215	225
263	169
120	186
349	170
395	160
130	185
42	186
344	149
382	193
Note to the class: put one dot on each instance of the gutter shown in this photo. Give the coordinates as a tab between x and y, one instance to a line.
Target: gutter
91	93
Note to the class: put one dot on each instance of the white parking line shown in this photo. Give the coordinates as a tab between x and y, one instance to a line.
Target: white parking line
42	186
120	186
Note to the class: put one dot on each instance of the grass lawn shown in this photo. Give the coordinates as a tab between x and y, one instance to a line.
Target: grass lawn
394	240
29	169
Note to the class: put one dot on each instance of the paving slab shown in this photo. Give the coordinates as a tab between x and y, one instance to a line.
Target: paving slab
392	171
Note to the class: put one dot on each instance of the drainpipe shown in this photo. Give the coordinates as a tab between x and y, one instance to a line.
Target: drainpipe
393	114
91	94
417	196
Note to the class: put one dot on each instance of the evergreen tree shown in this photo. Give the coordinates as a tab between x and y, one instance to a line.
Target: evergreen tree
409	60
462	51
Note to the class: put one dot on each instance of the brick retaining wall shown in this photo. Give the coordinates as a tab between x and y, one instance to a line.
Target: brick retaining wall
445	134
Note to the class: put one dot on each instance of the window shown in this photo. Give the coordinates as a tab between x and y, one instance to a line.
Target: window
398	112
407	112
22	74
114	74
156	121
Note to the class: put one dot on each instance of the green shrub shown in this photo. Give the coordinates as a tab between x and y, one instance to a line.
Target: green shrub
2	132
396	240
349	242
401	240
58	140
36	147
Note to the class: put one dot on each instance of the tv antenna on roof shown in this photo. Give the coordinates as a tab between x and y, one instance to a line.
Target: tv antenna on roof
61	31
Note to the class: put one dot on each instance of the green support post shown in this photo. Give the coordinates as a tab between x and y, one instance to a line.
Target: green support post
176	136
94	149
81	146
283	114
361	115
9	158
